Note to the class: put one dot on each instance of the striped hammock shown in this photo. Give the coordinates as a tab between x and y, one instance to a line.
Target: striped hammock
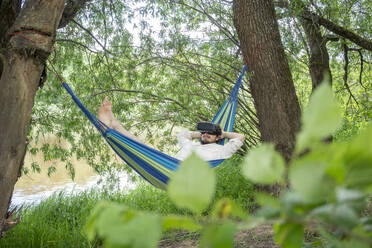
151	164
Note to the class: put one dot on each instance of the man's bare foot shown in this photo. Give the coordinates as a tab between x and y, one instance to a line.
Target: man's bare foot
105	114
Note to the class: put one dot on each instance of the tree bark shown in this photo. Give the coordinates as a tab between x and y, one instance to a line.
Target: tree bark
271	85
71	9
9	10
29	42
319	57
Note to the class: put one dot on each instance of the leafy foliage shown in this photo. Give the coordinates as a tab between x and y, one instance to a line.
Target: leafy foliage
324	195
328	191
143	54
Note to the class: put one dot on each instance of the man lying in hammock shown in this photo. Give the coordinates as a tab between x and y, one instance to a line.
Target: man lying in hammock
209	135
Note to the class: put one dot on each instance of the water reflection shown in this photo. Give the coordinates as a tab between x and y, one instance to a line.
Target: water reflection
34	187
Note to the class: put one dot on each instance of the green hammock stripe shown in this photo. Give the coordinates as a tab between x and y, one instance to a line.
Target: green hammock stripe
144	157
146	175
227	116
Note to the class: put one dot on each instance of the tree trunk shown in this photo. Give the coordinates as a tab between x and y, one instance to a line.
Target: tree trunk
28	44
319	57
271	85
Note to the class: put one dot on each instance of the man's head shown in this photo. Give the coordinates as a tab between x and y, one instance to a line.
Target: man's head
210	132
208	138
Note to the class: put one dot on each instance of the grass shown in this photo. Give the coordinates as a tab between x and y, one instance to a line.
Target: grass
231	184
58	221
55	222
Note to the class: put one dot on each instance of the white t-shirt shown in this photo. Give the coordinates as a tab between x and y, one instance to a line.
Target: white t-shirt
207	152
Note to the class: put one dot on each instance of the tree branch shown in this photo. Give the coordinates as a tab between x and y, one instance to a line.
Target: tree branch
361	68
140	92
359	51
331	38
224	30
346	49
331	26
90	33
70	11
77	43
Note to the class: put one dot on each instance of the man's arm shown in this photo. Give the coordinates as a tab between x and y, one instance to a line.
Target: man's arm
232	135
235	143
195	134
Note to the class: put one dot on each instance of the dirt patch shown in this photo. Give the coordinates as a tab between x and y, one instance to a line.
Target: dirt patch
179	244
258	237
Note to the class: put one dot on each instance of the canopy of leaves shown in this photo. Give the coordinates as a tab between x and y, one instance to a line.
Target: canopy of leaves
167	64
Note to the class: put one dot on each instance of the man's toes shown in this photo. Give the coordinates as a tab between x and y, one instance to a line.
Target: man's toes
106	104
106	101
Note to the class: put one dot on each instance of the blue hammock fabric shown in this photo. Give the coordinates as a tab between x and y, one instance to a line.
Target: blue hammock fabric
154	166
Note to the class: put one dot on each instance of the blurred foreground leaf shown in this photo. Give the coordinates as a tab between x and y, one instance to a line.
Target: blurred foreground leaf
289	235
180	222
219	236
320	118
308	178
264	165
192	186
120	226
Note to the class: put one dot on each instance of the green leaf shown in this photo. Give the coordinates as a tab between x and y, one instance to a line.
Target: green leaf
341	216
355	242
329	239
264	199
307	177
358	162
335	166
264	165
192	186
366	221
218	236
51	170
90	227
323	212
270	206
345	217
142	231
110	219
119	225
289	235
35	167
347	195
225	208
360	238
180	222
320	119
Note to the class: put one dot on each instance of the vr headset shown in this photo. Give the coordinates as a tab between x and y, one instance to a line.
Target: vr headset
209	127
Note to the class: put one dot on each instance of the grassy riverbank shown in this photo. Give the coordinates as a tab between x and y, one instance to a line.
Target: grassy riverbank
59	220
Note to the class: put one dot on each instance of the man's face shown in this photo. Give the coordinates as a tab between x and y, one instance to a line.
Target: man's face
208	138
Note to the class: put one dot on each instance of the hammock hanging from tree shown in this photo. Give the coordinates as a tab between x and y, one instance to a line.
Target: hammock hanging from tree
151	164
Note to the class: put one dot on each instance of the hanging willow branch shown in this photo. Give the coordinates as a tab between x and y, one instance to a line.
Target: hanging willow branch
361	65
346	69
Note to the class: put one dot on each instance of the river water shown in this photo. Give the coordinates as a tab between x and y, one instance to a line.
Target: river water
34	187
